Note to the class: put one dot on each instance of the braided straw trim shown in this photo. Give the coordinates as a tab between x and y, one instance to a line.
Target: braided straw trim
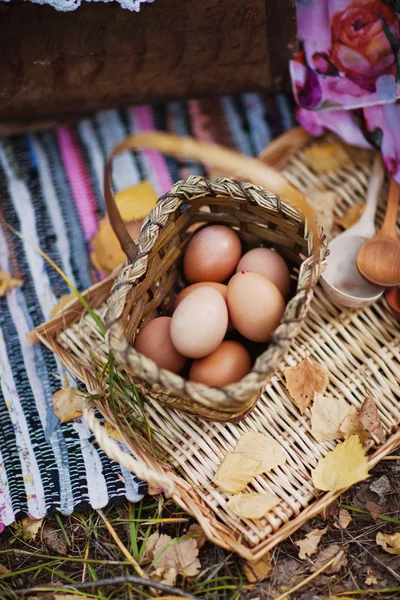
114	452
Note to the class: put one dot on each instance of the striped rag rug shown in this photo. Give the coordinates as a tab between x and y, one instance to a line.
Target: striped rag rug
51	191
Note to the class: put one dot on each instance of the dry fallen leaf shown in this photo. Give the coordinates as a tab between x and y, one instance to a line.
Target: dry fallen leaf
31	527
327	415
198	534
252	506
148	554
113	433
63	301
331	551
325	157
134	203
323	203
258	571
344	519
309	544
4	570
54	540
350	425
174	557
67	404
371	580
342	467
261	447
369	419
374	509
352	215
389	542
236	471
8	283
304	380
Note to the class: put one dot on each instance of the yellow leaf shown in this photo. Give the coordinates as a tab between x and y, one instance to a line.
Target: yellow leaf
309	544
8	283
112	432
252	506
369	419
326	417
350	425
344	466
135	202
259	570
236	471
63	301
261	447
31	527
304	380
389	542
67	404
326	157
352	215
371	580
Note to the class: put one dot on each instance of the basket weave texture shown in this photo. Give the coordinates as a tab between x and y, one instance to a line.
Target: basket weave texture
148	286
361	350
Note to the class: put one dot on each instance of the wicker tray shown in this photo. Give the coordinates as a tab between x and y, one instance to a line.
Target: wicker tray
361	349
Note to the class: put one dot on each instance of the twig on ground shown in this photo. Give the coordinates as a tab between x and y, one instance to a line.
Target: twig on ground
121	546
87	585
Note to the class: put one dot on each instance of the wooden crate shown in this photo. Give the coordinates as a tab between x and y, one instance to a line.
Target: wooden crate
56	65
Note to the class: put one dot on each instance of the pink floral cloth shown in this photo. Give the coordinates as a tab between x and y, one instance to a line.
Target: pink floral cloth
346	75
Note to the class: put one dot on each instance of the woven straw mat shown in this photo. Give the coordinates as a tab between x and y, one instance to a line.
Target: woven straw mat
360	349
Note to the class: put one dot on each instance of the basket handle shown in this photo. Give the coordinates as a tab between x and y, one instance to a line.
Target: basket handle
214	156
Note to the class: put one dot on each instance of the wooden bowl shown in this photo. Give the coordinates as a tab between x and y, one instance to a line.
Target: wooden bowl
393	301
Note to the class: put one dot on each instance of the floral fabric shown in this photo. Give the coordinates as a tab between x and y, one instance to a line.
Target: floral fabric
346	75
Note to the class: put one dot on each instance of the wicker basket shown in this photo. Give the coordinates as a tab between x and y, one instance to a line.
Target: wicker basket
147	286
360	348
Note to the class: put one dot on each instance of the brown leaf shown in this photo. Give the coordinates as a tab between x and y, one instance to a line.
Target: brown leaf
389	542
148	554
54	540
374	509
342	467
309	544
7	283
333	550
262	447
67	404
326	417
369	419
4	570
31	527
63	301
325	157
198	534
344	519
304	380
252	506
352	215
259	570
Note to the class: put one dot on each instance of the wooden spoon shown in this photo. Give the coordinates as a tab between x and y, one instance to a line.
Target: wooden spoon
379	259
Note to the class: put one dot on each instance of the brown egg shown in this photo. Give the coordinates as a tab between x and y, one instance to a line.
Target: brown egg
212	254
199	323
255	305
270	264
220	287
229	363
154	341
